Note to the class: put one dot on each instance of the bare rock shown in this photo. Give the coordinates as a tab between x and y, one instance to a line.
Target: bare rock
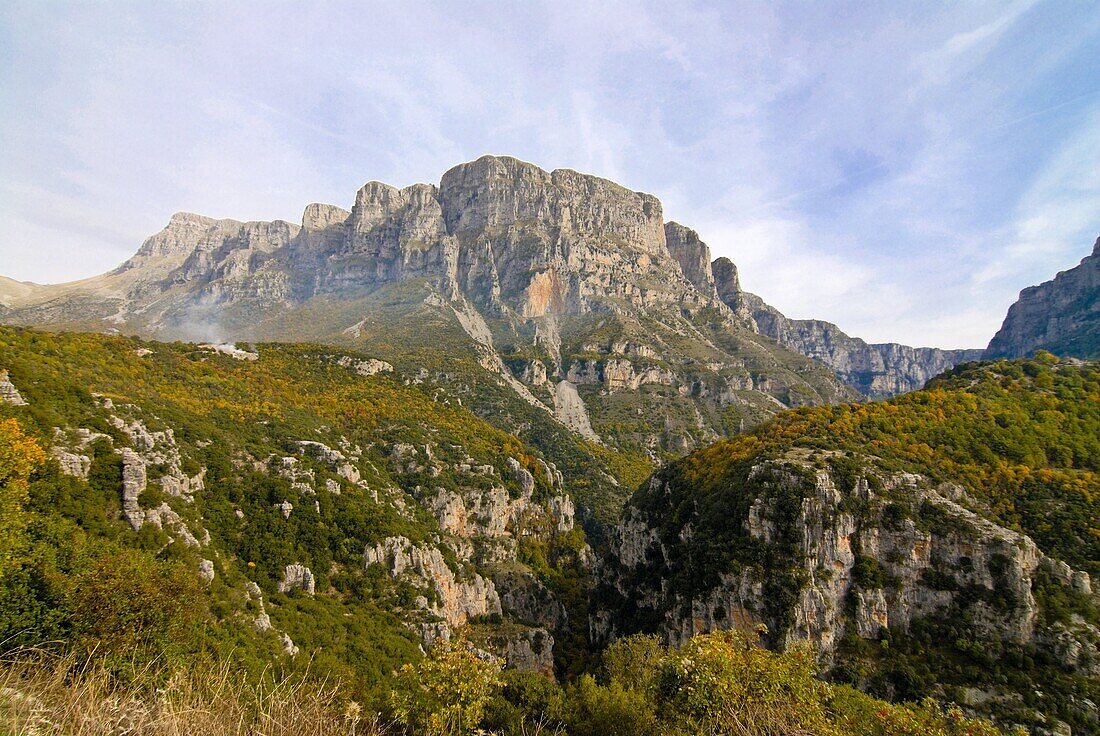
523	476
72	463
458	598
570	410
1061	315
297	577
526	650
8	393
133	485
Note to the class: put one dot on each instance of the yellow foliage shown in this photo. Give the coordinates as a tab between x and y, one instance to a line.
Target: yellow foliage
20	454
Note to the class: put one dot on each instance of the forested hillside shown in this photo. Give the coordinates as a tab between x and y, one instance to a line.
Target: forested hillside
936	544
270	537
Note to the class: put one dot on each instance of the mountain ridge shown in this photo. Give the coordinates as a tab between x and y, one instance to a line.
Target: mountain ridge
569	287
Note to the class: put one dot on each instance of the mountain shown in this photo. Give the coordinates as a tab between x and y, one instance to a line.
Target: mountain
1061	315
940	542
876	370
569	289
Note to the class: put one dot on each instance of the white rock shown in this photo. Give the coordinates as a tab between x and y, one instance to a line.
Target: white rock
297	576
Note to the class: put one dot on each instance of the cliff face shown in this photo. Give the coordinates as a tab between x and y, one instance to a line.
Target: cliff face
881	552
1061	315
571	289
876	370
852	566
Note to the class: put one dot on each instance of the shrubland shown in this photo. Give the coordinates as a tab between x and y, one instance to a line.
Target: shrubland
108	630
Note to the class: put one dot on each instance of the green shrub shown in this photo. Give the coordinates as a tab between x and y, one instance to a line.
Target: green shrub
444	694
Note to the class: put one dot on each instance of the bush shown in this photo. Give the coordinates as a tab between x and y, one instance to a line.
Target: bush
723	683
129	604
444	694
19	456
592	710
635	662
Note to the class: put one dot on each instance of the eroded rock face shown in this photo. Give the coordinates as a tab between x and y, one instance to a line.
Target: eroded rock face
693	256
8	393
72	463
890	550
529	601
526	650
160	449
570	410
1061	315
297	577
133	485
450	597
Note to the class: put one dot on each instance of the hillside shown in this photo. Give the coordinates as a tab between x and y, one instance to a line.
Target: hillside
939	543
319	493
224	537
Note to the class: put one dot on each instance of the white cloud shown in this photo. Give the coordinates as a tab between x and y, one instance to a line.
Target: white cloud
1056	220
852	162
964	49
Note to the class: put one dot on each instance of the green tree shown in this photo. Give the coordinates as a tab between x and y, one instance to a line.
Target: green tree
446	693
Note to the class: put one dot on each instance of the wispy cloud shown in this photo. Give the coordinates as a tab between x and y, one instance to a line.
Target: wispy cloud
901	170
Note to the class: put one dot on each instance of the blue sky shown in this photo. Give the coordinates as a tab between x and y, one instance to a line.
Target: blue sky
902	169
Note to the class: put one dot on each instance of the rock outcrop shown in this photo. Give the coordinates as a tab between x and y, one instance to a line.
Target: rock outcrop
133	485
523	649
877	370
693	256
1061	315
297	577
451	597
883	552
9	394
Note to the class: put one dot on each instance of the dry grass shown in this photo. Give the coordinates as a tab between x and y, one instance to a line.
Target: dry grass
42	694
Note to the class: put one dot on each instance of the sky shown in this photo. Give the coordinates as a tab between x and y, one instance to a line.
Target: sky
902	169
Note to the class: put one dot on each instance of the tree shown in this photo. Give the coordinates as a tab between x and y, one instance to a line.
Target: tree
444	694
20	454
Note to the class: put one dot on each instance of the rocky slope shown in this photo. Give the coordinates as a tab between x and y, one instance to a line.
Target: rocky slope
572	290
877	370
1061	315
800	528
313	491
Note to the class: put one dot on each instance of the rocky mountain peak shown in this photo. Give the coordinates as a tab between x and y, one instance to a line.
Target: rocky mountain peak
319	216
693	255
493	192
169	248
500	192
1061	315
726	280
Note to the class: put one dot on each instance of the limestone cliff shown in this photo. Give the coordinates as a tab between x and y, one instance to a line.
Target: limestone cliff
877	370
826	559
571	289
1061	315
